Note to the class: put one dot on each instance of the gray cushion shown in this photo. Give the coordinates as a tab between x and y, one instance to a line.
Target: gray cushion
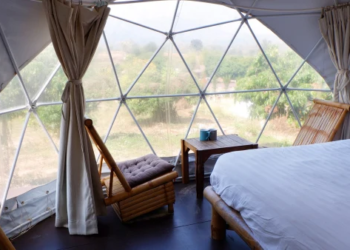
143	169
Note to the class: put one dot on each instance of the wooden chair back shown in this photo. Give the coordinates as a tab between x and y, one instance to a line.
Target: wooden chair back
106	156
322	123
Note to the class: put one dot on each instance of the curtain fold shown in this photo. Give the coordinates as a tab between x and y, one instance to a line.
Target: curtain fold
75	33
335	28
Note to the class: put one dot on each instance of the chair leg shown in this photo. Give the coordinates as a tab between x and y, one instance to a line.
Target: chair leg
171	208
218	226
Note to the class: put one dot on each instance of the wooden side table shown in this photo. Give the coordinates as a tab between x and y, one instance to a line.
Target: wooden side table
204	149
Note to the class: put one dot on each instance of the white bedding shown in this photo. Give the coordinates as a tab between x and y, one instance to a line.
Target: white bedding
292	198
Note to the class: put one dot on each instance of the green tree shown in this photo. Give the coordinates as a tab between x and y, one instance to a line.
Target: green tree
163	76
233	68
211	58
260	76
197	44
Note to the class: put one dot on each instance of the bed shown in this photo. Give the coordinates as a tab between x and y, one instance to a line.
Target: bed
284	198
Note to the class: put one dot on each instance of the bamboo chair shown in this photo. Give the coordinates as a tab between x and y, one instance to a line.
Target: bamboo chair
129	202
322	123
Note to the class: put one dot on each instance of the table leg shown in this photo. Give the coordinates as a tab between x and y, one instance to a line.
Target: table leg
199	175
184	162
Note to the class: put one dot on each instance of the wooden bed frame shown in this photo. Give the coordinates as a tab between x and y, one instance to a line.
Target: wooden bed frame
5	243
225	217
323	121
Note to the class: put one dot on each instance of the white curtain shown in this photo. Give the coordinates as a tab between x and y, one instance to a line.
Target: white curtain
75	32
335	29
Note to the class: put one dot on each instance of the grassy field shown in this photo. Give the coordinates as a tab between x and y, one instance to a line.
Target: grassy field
125	140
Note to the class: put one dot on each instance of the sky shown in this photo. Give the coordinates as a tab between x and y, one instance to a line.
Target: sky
159	15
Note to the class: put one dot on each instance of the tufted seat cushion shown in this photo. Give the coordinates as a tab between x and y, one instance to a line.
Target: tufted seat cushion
143	169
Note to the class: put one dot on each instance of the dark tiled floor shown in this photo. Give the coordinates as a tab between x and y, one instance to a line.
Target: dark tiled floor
187	228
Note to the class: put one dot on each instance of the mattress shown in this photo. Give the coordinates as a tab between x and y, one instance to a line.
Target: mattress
291	198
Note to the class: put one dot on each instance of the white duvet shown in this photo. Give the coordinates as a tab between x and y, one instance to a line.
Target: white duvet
292	198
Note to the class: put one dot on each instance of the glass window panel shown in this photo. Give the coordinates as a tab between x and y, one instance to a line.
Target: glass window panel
50	116
303	101
203	120
192	14
203	49
165	121
102	114
37	162
54	89
157	15
282	128
125	141
36	73
131	47
243	113
11	125
12	96
244	67
99	80
167	74
282	58
308	78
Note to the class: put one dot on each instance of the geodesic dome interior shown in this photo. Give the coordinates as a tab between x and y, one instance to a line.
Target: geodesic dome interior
154	81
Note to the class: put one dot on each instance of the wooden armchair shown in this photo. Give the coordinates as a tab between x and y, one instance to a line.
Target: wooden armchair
322	123
129	202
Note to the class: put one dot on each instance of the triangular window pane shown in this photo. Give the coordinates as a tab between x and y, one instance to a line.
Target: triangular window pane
283	59
54	89
203	49
164	121
308	78
50	116
244	67
131	47
99	80
37	72
101	114
125	141
11	125
157	15
167	74
37	162
193	14
303	101
282	128
12	96
243	113
203	120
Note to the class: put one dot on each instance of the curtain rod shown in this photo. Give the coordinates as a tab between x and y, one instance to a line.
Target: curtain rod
340	5
80	2
222	3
